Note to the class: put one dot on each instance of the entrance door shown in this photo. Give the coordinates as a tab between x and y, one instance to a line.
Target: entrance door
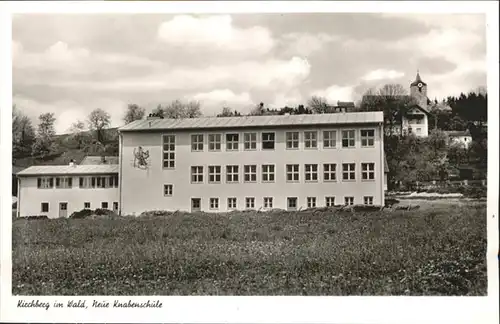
195	204
115	207
63	209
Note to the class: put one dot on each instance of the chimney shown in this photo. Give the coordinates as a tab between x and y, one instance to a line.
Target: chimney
103	159
72	163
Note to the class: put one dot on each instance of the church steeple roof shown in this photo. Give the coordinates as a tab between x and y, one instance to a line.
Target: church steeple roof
418	80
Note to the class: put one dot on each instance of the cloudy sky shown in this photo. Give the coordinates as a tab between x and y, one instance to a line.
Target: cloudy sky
72	64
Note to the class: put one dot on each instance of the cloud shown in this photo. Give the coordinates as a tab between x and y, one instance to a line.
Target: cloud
213	101
275	74
382	74
336	93
75	60
215	32
67	112
305	44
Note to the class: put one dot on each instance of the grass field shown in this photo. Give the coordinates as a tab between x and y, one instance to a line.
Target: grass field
439	250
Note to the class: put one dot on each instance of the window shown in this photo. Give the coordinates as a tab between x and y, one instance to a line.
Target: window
84	182
232	173
104	205
268	141
64	183
45	183
231	203
367	137
113	181
250	140
250	202
311	172
292	172
311	139
292	203
368	200
250	173
267	173
214	203
292	140
367	171
195	204
329	139
232	142
349	201
86	205
329	172
268	202
169	151
168	190
101	182
348	138
311	202
197	143
348	171
214	142
45	207
419	131
330	201
196	174
214	173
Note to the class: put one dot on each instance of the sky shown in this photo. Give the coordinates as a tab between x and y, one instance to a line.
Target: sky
72	64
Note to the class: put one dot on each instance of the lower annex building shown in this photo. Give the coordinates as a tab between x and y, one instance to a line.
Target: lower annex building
219	164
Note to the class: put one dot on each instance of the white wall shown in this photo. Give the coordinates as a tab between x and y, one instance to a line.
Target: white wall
462	140
423	125
31	197
142	190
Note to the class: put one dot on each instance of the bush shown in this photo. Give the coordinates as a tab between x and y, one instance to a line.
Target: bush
84	213
34	217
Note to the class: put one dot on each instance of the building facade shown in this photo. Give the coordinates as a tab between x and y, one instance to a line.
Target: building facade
251	162
59	190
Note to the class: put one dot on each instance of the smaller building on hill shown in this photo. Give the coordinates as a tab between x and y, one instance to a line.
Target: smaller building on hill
462	138
59	190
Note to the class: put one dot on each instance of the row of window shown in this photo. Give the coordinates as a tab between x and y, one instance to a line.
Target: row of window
86	205
268	140
267	202
292	172
83	182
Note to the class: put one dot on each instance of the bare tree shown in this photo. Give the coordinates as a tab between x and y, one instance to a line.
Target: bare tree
226	112
393	100
98	121
319	105
134	112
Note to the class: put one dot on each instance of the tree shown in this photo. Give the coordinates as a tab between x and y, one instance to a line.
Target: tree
98	121
178	109
44	142
258	110
78	134
23	133
134	112
227	112
318	105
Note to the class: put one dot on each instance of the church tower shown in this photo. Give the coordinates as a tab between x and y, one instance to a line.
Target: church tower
418	90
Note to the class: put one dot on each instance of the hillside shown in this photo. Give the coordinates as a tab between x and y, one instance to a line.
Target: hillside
68	150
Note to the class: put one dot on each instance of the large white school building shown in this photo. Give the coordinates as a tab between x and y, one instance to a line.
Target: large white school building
223	164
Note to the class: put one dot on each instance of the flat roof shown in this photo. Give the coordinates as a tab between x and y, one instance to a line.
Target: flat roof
349	118
68	169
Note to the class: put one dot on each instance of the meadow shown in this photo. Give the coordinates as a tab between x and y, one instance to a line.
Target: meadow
438	250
